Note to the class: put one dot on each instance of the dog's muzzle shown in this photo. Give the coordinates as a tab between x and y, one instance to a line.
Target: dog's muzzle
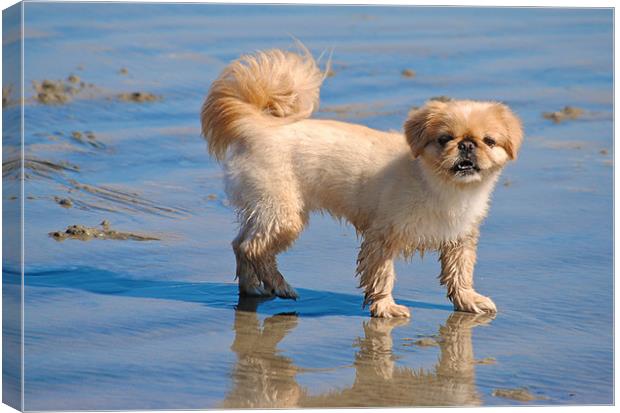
466	165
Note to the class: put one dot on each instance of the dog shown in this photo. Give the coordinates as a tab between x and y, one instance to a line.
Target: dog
426	189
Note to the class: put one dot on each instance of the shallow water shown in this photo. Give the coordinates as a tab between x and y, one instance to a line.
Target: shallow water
115	324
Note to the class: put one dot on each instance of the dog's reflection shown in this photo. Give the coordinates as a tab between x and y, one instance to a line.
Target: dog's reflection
264	378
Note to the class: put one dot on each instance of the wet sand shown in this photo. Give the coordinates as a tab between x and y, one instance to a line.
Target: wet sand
122	324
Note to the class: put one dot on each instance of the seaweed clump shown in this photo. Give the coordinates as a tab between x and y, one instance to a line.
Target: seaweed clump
84	233
138	97
442	98
53	92
87	138
64	202
568	113
6	95
521	395
408	73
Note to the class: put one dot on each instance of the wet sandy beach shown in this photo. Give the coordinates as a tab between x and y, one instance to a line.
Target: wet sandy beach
151	319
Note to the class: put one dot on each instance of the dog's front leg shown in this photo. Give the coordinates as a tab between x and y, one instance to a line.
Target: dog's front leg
457	274
375	266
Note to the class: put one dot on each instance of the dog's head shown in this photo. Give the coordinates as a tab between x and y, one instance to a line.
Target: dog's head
464	141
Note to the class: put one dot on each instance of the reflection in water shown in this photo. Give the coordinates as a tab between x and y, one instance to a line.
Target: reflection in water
265	378
262	377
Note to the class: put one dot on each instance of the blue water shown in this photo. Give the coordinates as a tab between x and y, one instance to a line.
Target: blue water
145	325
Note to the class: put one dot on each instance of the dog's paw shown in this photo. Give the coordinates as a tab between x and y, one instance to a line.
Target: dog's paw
272	287
255	290
277	285
472	302
284	290
387	308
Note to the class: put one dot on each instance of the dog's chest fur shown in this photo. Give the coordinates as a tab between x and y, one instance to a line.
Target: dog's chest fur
442	218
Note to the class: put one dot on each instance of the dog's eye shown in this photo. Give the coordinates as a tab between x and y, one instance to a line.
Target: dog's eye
489	141
443	139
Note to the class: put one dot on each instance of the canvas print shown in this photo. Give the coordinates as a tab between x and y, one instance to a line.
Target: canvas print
212	206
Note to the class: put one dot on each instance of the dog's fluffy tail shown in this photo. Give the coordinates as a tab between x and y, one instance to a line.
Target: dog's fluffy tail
273	84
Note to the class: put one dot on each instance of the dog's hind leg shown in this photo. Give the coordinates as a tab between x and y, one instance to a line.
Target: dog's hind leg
256	247
375	267
249	284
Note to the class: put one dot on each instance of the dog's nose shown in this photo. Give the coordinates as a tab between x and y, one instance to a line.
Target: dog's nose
466	145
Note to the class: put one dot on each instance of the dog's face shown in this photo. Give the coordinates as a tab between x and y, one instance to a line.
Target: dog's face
464	141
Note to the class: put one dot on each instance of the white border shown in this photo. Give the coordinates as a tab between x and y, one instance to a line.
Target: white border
483	3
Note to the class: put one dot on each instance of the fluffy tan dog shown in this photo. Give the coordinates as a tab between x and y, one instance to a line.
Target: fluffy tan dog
425	190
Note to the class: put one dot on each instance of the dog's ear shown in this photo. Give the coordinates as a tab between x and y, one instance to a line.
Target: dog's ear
418	125
514	130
